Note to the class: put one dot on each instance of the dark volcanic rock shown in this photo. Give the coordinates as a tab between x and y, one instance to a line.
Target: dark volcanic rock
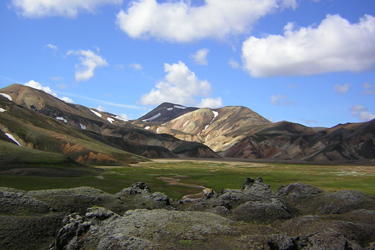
311	200
299	216
19	202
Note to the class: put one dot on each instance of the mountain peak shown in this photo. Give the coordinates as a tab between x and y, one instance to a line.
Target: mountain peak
165	112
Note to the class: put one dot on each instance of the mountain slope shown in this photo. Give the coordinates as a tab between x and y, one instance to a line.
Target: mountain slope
218	129
242	133
37	120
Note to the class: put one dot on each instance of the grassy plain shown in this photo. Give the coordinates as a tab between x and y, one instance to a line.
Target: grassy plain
180	177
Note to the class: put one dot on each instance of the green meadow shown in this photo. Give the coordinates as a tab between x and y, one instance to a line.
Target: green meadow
180	177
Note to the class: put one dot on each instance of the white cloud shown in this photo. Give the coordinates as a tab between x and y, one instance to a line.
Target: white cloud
37	85
180	86
332	46
122	117
234	64
67	99
210	103
136	66
52	47
281	100
180	21
369	88
67	8
362	113
100	108
342	89
200	57
89	62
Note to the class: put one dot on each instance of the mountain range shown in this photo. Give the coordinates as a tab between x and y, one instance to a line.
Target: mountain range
33	122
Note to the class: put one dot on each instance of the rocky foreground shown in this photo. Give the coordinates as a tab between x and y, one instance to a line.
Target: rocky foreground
298	216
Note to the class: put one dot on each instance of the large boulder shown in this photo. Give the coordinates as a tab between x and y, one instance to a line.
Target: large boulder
311	200
15	202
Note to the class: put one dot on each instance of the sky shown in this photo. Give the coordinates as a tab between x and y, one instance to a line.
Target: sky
306	61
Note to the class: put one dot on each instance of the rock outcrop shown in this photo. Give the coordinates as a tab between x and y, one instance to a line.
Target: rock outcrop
298	216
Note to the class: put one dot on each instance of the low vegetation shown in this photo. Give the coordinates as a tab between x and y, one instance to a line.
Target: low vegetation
177	178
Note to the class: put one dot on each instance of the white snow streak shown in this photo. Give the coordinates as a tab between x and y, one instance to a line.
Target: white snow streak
147	128
96	113
152	118
61	119
7	96
179	107
170	109
2	110
118	117
215	114
111	120
13	139
82	126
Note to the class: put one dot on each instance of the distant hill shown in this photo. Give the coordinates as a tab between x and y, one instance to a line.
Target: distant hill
36	120
239	132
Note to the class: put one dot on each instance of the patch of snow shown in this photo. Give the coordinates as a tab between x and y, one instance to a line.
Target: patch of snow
170	109
157	130
10	136
7	96
205	128
152	118
2	110
61	119
215	114
179	107
111	120
82	126
96	113
185	123
147	128
119	117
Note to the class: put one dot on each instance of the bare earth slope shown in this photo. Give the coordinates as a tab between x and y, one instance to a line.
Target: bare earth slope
34	119
240	132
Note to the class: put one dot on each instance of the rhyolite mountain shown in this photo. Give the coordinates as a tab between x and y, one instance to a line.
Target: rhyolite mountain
38	121
239	132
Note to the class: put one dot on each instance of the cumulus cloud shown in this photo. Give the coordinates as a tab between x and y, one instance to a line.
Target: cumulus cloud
342	89
332	46
181	86
369	88
180	21
66	8
37	85
200	57
89	62
67	99
210	103
136	66
234	64
48	90
281	100
362	113
52	47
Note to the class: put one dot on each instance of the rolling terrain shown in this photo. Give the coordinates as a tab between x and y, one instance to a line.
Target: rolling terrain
33	119
239	132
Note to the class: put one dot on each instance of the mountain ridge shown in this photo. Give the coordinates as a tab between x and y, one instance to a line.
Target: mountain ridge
41	121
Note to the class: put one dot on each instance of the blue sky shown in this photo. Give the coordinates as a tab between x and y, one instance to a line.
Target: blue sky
305	61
